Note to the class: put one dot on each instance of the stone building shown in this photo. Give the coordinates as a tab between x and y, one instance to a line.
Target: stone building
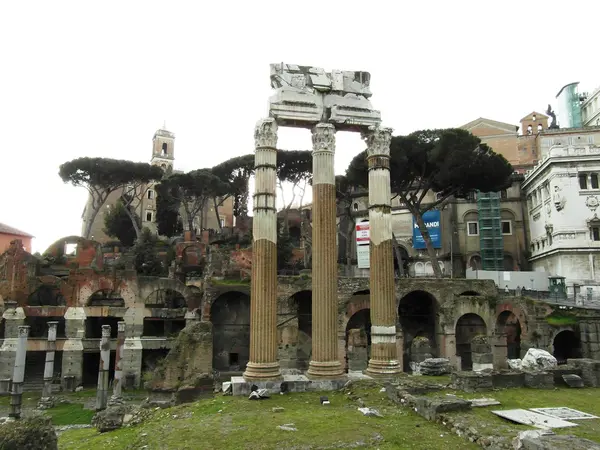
563	192
590	109
82	292
163	155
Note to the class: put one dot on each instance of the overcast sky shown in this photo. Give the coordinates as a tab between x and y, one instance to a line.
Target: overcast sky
97	78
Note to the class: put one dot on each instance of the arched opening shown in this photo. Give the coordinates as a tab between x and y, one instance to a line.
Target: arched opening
93	326
566	345
475	262
46	295
508	335
417	315
106	297
303	301
468	327
358	340
230	316
165	298
164	149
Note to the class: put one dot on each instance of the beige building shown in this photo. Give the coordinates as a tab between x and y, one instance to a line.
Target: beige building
163	155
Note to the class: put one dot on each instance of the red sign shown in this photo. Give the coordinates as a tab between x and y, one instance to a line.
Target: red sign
363	234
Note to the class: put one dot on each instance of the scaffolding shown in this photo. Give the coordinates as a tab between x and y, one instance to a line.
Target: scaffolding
490	231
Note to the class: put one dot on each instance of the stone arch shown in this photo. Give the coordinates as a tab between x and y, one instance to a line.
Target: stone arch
46	295
148	285
419	269
165	298
358	340
230	316
475	262
105	297
468	327
301	302
509	262
507	337
470	214
566	345
417	315
358	300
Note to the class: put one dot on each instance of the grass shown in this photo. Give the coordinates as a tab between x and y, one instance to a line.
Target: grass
238	423
70	414
581	399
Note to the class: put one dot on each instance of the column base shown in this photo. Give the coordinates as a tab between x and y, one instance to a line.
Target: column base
325	369
383	368
262	371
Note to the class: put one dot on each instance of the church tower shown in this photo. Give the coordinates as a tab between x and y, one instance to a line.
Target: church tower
163	149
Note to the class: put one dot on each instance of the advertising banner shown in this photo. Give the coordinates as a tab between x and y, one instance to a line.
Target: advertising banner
432	221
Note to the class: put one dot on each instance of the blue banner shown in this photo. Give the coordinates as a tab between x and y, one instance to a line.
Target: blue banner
432	221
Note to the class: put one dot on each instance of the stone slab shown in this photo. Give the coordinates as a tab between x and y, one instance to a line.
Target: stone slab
556	442
574	381
533	419
481	402
288	383
564	413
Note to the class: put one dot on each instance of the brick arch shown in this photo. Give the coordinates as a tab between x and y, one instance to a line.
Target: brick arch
149	285
357	302
518	312
93	285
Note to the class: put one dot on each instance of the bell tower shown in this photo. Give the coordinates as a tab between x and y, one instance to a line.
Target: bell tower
163	149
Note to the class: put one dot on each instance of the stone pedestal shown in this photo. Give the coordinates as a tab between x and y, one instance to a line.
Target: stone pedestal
384	358
72	357
481	354
102	392
263	363
324	362
19	373
46	401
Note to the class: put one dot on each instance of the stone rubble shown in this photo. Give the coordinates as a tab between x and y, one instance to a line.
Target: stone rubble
435	366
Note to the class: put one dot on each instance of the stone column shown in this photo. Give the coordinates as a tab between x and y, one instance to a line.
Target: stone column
324	362
263	362
46	401
19	373
102	392
384	356
118	381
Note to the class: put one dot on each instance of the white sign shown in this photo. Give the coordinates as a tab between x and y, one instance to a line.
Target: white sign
363	234
363	257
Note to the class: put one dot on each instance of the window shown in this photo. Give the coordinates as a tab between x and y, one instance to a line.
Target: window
506	227
503	194
148	216
595	232
150	194
540	127
222	223
529	129
164	149
472	228
594	180
355	206
534	117
583	181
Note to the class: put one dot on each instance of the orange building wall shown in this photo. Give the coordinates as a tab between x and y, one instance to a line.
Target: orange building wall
5	240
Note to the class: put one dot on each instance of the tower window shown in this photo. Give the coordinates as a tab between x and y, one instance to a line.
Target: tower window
540	127
355	207
164	149
150	194
534	117
148	216
529	129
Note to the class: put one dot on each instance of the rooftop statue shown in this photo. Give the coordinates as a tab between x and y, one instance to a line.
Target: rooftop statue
308	95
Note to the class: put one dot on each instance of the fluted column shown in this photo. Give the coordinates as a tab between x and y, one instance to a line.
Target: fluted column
102	392
384	357
46	400
16	396
118	381
263	362
324	362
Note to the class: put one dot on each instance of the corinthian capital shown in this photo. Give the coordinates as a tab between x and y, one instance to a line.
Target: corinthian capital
265	133
378	141
323	137
23	331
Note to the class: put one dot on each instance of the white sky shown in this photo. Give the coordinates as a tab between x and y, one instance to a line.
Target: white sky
97	78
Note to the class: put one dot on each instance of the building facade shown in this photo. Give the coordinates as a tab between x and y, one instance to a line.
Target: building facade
9	234
563	193
590	109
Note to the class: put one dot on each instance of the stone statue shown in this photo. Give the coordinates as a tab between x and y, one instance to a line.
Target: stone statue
553	125
558	198
308	95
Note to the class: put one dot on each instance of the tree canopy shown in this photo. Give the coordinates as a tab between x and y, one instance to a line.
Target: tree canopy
449	162
117	224
168	219
102	176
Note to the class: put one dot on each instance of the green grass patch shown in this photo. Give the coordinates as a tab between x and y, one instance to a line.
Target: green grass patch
239	423
581	399
70	414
